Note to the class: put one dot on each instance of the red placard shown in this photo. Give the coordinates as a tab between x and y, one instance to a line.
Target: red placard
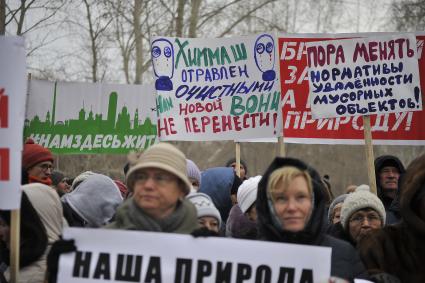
406	128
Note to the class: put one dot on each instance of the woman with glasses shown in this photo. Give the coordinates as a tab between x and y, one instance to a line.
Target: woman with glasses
361	212
159	183
290	209
37	163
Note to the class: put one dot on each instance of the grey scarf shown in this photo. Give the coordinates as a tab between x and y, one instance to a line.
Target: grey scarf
131	217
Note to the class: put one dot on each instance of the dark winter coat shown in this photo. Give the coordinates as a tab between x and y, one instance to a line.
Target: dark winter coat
345	262
337	231
400	249
392	207
217	183
239	226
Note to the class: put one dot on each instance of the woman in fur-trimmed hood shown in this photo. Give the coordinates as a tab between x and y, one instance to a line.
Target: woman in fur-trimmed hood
303	222
399	249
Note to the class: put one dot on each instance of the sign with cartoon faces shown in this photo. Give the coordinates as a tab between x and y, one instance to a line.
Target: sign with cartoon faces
264	56
216	89
162	52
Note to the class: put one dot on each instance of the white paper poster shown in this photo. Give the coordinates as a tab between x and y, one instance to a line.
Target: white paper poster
13	86
217	89
364	76
137	256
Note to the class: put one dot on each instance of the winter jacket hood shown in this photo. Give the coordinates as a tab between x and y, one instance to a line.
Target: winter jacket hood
217	183
240	226
345	262
95	199
381	162
314	230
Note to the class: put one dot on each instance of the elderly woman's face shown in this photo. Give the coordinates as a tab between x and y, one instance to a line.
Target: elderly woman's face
156	191
292	204
362	222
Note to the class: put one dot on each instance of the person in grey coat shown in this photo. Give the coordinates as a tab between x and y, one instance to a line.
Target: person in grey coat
290	209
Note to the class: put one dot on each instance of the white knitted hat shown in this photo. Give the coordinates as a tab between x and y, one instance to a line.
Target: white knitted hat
361	198
204	206
247	193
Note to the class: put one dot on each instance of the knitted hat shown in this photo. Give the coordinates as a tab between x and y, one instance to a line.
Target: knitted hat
193	171
334	203
204	206
161	156
34	153
360	199
247	193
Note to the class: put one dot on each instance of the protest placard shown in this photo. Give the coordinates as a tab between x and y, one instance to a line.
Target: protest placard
404	128
363	76
216	89
141	256
13	85
91	118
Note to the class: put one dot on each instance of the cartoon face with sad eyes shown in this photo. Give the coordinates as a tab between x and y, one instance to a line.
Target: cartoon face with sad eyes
162	52
264	55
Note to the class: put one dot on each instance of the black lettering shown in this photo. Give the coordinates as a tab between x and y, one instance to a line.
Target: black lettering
306	276
263	274
224	272
125	266
153	273
243	272
82	264
203	270
103	269
183	269
286	275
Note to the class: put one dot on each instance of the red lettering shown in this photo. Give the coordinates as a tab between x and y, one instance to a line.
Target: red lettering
205	121
237	123
195	126
4	109
167	127
216	125
373	49
4	164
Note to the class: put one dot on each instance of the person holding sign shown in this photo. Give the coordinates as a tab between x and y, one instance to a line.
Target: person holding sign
159	182
290	209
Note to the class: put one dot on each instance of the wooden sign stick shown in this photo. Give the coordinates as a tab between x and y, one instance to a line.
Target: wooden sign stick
369	153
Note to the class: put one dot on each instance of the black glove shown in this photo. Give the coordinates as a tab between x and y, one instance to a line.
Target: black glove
204	232
59	247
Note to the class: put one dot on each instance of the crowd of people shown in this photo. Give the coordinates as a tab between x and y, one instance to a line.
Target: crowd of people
377	237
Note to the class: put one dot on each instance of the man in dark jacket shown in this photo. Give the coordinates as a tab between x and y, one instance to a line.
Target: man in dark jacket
388	170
